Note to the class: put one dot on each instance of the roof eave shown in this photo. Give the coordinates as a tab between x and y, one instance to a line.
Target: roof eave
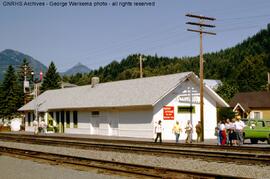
144	106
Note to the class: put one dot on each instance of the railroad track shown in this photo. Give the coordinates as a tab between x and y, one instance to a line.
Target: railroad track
263	150
208	155
135	170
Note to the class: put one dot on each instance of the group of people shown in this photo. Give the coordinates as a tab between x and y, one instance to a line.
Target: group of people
41	127
230	132
177	131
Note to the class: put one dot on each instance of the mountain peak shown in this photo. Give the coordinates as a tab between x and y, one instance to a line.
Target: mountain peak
79	64
78	68
15	58
12	52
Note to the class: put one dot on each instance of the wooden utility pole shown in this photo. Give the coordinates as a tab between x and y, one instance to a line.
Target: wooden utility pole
141	70
268	83
201	24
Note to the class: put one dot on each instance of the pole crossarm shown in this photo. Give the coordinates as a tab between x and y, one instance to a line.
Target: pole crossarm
200	17
201	24
200	31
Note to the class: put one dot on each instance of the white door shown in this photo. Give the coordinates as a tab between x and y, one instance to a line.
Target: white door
114	123
103	125
94	125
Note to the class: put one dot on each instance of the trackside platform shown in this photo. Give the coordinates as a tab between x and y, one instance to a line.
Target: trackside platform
206	141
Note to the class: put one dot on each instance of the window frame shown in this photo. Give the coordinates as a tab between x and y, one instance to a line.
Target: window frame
186	109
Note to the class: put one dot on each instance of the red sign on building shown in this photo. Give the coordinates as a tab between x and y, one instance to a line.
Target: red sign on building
168	112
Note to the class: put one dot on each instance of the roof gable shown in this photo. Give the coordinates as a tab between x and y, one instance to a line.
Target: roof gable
242	107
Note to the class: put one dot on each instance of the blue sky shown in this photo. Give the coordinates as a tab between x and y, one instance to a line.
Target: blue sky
95	36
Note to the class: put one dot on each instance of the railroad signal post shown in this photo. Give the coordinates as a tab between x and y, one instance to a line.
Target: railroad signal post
201	25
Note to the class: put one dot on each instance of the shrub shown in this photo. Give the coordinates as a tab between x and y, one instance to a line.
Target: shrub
50	128
5	128
56	129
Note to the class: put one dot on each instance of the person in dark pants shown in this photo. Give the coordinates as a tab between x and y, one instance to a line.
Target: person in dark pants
239	126
158	131
199	131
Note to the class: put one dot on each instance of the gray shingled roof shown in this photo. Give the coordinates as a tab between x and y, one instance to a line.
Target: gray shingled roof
135	92
256	99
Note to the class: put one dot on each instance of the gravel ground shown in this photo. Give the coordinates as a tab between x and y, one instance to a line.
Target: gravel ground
249	171
14	168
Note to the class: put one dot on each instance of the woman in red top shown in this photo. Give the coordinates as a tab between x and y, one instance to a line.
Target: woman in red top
222	129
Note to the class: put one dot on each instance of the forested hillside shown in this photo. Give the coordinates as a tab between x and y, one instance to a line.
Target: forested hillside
241	68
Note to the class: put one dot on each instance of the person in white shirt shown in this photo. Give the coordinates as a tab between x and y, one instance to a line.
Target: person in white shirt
43	126
218	133
227	126
35	124
239	126
188	132
158	131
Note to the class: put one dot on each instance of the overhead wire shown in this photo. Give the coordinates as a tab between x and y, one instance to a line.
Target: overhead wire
146	50
139	43
114	45
244	17
172	43
222	10
158	40
168	39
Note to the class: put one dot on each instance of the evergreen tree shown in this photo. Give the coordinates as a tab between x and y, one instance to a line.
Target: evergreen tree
10	99
252	73
51	79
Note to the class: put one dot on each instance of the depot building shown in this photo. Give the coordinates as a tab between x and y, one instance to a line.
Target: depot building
129	108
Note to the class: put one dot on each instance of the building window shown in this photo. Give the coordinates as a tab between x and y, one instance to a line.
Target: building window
257	115
75	119
68	119
186	109
95	113
260	124
33	116
29	118
62	118
57	117
51	114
